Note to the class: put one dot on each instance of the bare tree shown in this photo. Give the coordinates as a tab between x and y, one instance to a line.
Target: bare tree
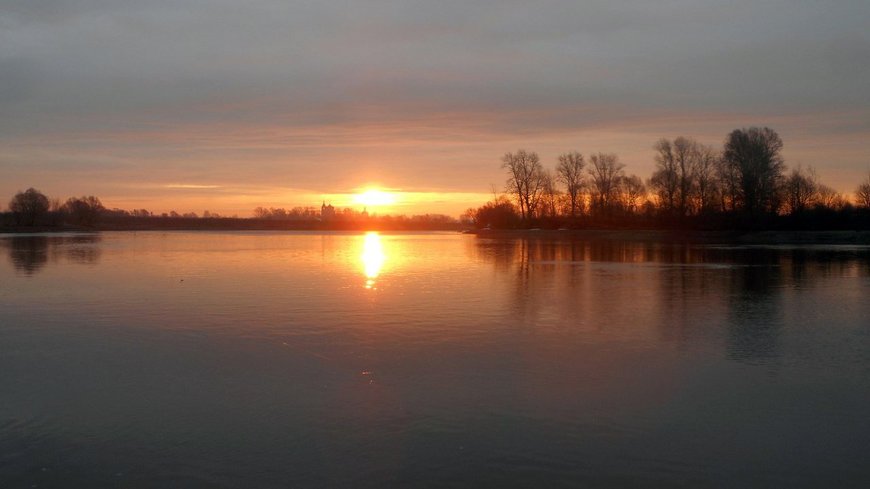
605	171
633	190
706	177
729	185
525	180
55	205
676	177
862	193
29	206
498	213
830	198
686	157
569	171
801	189
665	179
549	195
84	210
754	155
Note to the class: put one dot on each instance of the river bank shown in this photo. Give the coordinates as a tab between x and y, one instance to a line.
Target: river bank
700	237
639	235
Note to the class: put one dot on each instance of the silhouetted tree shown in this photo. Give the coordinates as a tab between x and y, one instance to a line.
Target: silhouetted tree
525	180
743	185
55	205
801	190
754	155
666	179
83	210
706	177
676	179
277	213
29	206
862	194
605	171
830	198
728	177
497	214
633	191
549	204
468	216
569	171
686	156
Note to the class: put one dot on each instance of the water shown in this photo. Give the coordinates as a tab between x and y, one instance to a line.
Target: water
430	360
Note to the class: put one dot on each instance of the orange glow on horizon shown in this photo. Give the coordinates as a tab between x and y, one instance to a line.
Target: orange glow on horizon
240	201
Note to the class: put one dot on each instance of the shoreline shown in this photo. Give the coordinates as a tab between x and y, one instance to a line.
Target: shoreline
159	224
767	237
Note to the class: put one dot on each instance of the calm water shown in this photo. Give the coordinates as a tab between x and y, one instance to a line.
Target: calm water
258	360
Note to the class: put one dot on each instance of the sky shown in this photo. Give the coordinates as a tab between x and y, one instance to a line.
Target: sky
221	105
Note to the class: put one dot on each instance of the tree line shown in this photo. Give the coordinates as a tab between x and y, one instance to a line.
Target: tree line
31	209
743	183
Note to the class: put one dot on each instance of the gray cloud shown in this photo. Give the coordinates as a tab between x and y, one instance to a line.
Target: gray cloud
193	87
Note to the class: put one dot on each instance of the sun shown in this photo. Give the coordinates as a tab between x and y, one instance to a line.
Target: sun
374	197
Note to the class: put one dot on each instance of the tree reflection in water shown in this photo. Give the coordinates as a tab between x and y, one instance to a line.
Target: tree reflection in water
683	292
30	254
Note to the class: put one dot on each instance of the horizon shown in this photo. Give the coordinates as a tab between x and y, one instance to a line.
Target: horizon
144	105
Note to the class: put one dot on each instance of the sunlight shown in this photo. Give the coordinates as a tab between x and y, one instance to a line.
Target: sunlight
374	198
373	258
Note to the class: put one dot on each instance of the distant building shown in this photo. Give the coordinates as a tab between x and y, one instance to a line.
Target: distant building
327	212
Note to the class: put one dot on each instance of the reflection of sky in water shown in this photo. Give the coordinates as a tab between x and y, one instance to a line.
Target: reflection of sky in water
477	362
373	258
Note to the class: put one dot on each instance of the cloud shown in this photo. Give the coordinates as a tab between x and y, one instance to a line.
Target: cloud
422	95
191	186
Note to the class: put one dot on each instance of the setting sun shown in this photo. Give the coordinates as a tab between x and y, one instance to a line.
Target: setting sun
375	197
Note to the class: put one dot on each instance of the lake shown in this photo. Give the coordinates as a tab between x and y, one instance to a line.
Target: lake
272	360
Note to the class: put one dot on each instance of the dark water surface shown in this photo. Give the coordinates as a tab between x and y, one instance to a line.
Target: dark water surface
257	360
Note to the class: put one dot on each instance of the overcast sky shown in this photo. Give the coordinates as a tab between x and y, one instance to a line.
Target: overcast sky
225	105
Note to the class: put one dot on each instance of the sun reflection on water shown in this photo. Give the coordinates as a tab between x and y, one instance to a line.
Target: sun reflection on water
373	258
